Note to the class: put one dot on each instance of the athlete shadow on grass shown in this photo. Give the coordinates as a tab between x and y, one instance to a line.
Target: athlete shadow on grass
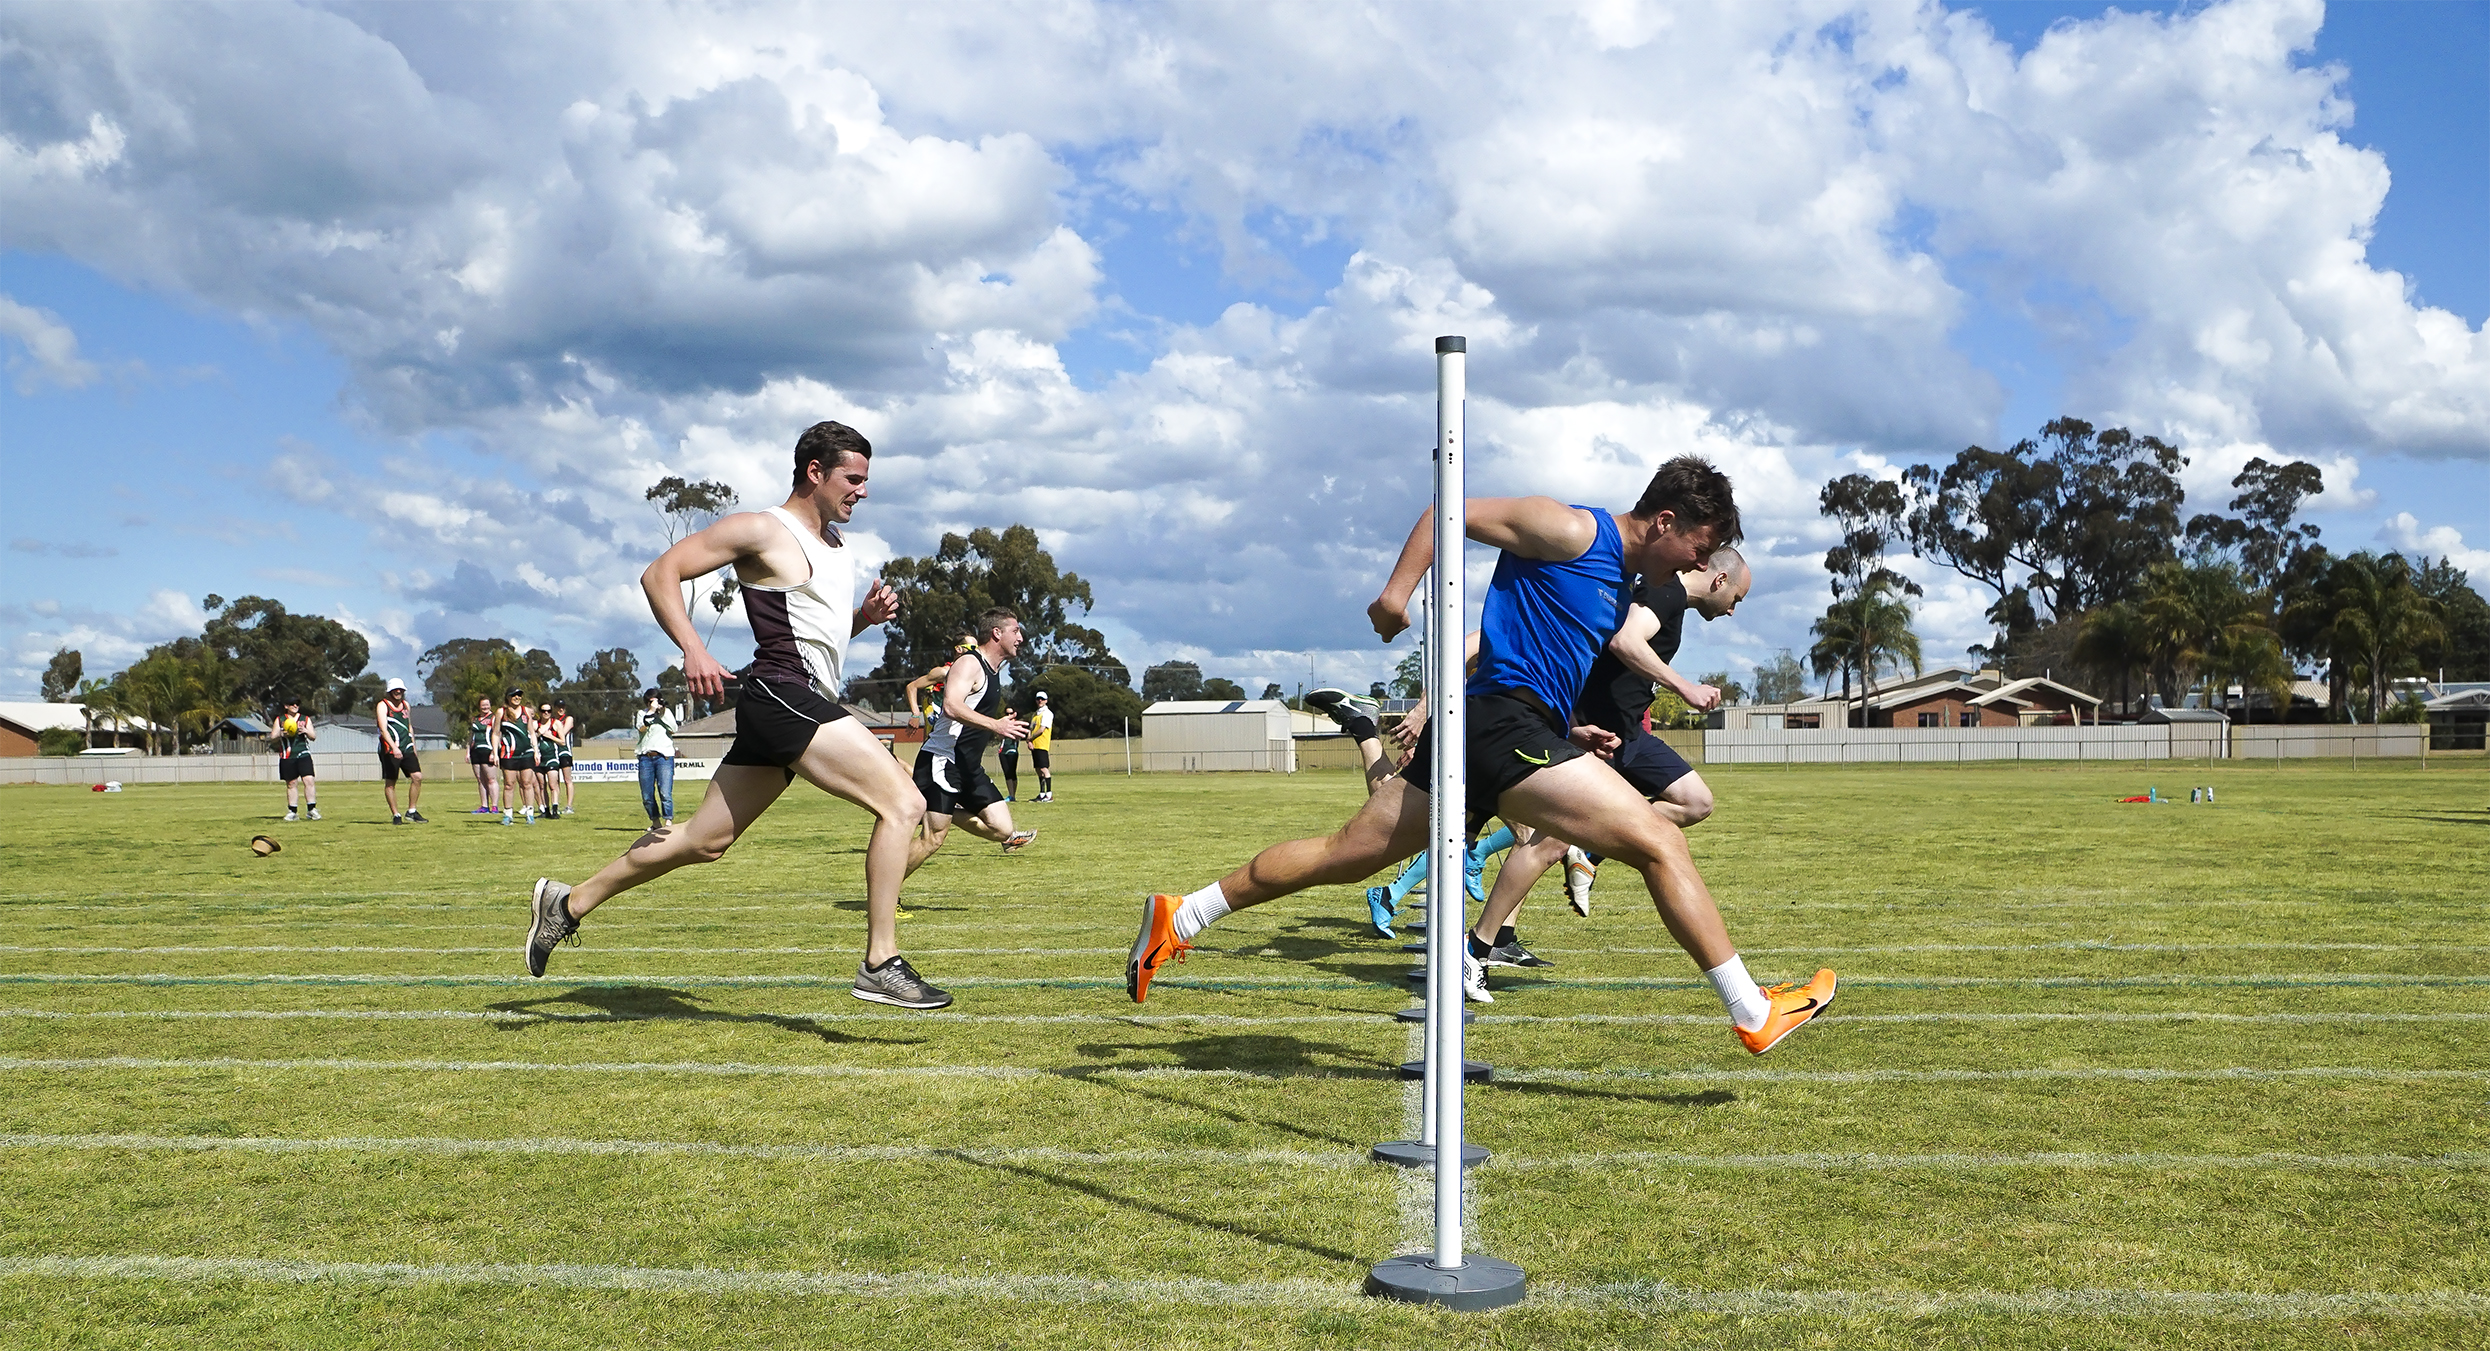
1710	1097
1159	1209
655	1003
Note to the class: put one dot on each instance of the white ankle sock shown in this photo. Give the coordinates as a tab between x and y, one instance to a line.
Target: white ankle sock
1748	1008
1199	911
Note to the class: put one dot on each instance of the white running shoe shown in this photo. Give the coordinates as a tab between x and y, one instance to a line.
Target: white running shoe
289	813
315	813
1579	870
1474	978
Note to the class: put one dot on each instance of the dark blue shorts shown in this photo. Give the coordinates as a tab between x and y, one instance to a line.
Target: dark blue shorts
1650	765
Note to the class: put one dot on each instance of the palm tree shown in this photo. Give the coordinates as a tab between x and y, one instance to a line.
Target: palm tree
97	698
1866	631
2114	638
157	689
2201	619
215	693
2377	621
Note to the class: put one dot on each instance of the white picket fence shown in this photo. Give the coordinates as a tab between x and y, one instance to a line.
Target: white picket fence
1950	745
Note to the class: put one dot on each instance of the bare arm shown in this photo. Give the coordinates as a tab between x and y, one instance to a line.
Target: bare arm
955	702
742	535
915	688
1534	527
1632	645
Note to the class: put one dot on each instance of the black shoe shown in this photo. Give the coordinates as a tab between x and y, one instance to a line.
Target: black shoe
550	922
896	983
1343	707
1514	954
417	817
396	820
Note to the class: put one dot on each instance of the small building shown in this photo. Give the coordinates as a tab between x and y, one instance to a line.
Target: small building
22	726
2042	702
1953	703
2459	720
1203	735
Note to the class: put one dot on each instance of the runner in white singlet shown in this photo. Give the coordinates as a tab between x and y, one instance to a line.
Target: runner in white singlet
798	581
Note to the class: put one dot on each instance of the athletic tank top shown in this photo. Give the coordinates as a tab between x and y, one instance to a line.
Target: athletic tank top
800	633
516	741
297	743
479	735
960	742
1613	695
401	728
1545	621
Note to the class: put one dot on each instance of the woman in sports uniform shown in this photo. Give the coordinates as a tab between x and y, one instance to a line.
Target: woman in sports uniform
480	755
516	742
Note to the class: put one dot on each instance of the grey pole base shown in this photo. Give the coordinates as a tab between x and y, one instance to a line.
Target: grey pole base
1472	1071
1413	947
1419	1015
1480	1282
1412	1154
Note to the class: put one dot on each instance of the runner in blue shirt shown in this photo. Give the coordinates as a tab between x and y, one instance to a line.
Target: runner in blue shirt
1556	599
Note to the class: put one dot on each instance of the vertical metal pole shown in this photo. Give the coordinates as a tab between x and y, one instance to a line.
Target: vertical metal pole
1447	916
1435	951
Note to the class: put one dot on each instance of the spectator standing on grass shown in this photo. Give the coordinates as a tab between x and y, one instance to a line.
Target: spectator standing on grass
656	726
563	727
480	755
516	741
1042	748
295	734
1007	754
397	754
548	764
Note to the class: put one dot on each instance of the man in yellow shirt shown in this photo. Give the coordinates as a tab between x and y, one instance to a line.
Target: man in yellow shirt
1041	743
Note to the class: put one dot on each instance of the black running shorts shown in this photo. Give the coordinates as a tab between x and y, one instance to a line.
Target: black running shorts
1649	764
1511	738
518	764
479	755
391	766
1041	761
954	789
775	722
564	762
292	767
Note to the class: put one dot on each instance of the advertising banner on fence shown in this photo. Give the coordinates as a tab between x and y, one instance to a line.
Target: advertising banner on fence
628	771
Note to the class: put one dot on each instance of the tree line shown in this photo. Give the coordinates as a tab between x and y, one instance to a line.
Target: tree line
252	656
2079	537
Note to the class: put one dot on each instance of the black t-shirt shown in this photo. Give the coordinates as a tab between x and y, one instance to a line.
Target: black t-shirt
1613	695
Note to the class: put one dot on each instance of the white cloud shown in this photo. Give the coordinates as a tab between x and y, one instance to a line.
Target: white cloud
2404	534
610	243
48	351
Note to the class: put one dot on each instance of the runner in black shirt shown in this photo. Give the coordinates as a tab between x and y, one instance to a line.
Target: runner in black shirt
1616	697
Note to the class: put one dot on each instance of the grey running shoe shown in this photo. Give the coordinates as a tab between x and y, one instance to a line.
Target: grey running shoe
550	923
1579	870
1341	706
896	983
1513	954
1021	839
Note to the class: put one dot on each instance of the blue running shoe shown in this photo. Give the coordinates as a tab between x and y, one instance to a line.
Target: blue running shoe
1379	908
1473	880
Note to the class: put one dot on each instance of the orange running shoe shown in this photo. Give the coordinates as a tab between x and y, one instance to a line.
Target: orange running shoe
1155	944
1791	1006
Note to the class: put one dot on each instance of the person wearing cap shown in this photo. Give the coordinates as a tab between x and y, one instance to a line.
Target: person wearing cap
294	737
397	754
655	726
1041	746
480	754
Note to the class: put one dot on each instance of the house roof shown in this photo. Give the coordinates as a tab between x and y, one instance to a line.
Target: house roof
2031	683
246	725
2184	715
1968	693
2477	697
37	718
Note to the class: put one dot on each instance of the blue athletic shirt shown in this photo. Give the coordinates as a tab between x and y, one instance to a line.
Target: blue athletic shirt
1545	622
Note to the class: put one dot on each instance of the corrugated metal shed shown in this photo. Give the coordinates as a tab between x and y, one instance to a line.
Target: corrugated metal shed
1204	735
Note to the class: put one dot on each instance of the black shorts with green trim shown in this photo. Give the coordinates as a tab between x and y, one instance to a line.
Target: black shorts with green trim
1511	736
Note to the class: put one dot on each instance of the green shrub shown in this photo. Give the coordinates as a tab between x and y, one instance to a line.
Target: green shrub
61	741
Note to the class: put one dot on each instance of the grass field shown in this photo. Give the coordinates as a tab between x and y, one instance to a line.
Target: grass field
2100	1076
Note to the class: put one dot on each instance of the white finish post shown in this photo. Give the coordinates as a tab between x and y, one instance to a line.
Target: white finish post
1447	915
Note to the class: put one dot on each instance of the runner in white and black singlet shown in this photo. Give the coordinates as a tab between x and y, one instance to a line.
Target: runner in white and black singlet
950	767
798	580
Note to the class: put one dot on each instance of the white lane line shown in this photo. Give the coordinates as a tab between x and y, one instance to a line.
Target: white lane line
1298	1293
570	1148
2306	979
2242	1073
843	951
726	1068
1179	1020
1417	1192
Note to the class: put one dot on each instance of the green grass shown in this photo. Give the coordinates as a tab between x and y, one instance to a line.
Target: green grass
2101	1076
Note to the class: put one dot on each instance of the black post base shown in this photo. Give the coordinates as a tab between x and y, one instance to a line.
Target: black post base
1412	1154
1480	1282
1472	1071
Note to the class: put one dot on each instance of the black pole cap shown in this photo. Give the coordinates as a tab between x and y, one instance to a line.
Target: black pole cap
1455	344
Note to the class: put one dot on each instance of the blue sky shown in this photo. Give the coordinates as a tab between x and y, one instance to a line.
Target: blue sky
409	365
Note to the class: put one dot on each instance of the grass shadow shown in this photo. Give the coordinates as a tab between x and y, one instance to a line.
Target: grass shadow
651	1003
1710	1097
1159	1209
2443	819
1121	1084
1244	1052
